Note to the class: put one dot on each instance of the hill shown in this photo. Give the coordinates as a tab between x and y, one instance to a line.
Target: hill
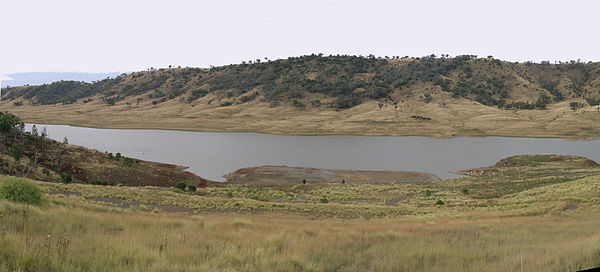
31	154
433	96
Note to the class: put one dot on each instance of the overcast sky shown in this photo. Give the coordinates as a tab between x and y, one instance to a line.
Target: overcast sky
111	35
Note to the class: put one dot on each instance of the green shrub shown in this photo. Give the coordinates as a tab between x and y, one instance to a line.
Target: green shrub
439	202
180	185
191	188
20	190
465	191
16	151
66	178
323	200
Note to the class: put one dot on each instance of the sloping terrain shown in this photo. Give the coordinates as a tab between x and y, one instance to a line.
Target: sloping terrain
432	96
31	154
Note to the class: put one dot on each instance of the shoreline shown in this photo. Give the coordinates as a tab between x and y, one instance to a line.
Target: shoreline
292	133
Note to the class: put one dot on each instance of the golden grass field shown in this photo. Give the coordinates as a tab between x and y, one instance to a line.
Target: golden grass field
449	118
531	213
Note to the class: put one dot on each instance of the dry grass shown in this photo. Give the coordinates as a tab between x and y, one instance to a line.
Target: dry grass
534	222
56	238
450	118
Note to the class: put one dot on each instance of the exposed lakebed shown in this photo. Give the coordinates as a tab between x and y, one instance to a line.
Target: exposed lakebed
212	154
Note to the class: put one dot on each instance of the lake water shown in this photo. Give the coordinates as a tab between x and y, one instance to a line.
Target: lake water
211	155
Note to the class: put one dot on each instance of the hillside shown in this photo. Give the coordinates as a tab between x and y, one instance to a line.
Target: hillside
433	96
31	154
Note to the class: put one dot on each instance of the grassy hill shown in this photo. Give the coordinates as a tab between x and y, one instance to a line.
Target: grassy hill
435	96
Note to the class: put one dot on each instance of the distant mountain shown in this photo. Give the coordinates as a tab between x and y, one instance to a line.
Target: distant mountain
39	78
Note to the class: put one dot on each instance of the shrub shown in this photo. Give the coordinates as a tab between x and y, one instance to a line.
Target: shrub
439	202
465	191
303	181
419	117
323	200
20	190
428	192
180	185
575	105
98	182
298	104
66	178
191	188
16	151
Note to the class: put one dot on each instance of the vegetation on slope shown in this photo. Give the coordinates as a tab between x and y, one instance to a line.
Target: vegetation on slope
342	81
32	154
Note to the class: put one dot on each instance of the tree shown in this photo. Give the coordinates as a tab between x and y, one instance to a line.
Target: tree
34	131
9	121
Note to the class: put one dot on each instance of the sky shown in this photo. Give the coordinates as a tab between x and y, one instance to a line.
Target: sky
111	35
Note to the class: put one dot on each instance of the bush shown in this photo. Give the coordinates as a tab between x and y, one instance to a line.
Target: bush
180	185
16	151
20	190
98	182
323	200
191	188
439	202
66	178
575	105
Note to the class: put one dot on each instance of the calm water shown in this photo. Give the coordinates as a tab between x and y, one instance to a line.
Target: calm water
211	155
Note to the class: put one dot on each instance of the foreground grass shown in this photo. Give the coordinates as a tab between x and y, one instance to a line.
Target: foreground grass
528	213
59	238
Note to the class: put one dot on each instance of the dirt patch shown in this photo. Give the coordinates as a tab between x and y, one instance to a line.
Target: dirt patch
297	175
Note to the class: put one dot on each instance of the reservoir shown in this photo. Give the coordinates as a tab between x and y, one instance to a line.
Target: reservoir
213	154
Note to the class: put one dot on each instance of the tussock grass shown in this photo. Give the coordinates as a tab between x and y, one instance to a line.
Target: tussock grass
58	238
543	217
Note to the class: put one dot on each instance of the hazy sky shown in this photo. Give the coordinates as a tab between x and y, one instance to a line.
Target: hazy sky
110	35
